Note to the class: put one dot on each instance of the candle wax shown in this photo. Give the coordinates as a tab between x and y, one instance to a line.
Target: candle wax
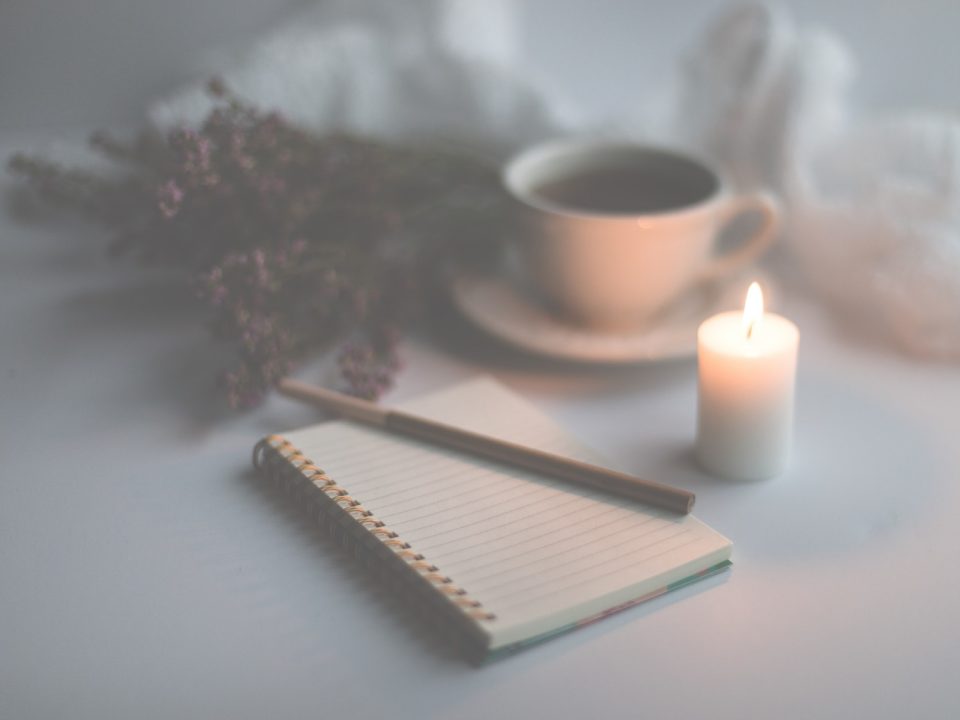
746	389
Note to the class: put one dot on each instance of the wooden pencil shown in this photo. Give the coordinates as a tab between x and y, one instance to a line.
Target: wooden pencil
437	433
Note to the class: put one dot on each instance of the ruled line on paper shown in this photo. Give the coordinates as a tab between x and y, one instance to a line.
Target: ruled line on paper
552	572
549	550
542	502
506	605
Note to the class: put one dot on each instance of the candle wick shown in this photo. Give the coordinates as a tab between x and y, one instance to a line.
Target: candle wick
750	330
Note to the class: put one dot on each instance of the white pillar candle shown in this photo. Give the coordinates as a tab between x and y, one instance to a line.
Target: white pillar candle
746	365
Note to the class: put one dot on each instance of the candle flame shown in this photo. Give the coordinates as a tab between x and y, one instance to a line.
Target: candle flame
752	309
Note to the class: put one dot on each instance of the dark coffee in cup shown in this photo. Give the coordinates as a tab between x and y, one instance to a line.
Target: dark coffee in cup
637	182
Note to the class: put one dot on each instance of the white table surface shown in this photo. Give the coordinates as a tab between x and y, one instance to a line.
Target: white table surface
145	573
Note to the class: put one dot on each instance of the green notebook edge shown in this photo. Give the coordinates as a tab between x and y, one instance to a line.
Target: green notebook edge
516	647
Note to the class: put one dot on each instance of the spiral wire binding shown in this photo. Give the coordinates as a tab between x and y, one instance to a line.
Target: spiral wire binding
414	560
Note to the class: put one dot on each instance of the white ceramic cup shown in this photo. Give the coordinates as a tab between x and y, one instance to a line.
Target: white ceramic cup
618	267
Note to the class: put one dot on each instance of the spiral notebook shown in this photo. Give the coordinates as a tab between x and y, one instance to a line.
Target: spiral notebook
497	557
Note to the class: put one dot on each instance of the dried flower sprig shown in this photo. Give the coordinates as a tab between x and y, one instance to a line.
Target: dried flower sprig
292	241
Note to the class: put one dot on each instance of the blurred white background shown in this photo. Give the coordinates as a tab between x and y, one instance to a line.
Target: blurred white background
93	63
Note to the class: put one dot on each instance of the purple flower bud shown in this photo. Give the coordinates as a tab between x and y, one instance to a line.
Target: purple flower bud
169	199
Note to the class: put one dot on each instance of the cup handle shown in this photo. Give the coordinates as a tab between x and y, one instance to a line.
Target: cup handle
767	206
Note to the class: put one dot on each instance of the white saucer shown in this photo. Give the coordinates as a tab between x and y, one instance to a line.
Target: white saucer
495	304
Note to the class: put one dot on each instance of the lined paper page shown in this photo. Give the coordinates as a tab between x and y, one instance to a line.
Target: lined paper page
524	545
